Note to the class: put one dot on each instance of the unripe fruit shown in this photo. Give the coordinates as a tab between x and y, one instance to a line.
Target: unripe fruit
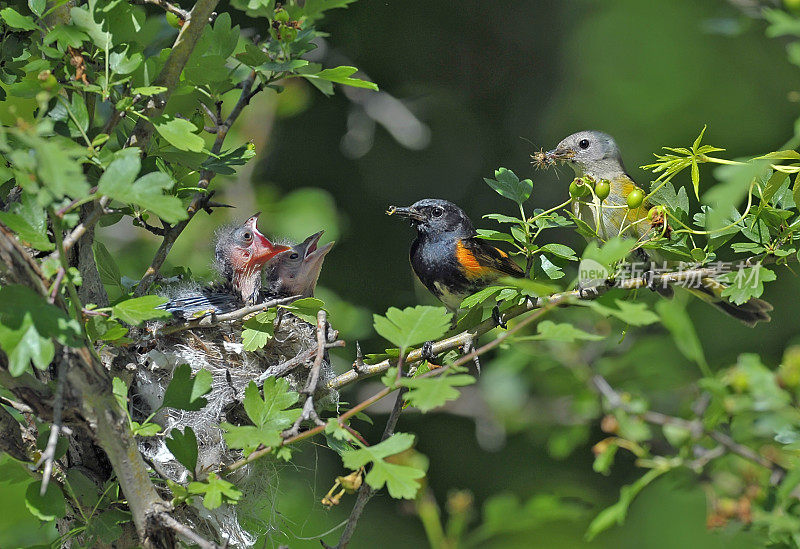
602	189
654	212
635	198
578	188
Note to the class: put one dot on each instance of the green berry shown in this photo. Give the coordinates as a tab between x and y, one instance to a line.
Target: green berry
578	188
654	212
602	189
635	198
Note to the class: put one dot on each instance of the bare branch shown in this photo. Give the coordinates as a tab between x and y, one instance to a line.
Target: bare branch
184	531
49	454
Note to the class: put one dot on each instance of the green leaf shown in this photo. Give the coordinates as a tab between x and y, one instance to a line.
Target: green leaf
559	250
495	235
185	392
412	325
148	90
183	446
507	184
106	526
616	513
675	318
28	327
28	220
635	314
258	330
84	20
541	509
120	390
147	191
551	331
269	416
341	75
37	6
48	507
66	35
609	252
432	392
106	266
104	329
179	133
16	20
480	296
215	490
746	283
401	480
305	308
138	309
148	429
553	271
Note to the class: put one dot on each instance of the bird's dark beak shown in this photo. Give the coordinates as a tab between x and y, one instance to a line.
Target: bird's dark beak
559	154
310	250
409	212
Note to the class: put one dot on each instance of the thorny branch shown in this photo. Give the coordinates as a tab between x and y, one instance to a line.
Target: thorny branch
695	427
361	370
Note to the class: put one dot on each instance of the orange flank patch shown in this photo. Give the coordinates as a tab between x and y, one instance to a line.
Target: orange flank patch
468	261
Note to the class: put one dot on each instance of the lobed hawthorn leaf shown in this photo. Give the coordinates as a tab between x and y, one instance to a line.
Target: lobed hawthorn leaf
269	416
305	308
258	330
65	35
433	392
183	446
400	480
412	325
84	20
138	309
214	491
507	184
746	283
185	392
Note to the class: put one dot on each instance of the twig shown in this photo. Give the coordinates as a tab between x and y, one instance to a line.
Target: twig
85	225
49	454
56	285
18	406
181	529
209	321
695	427
361	370
167	6
309	413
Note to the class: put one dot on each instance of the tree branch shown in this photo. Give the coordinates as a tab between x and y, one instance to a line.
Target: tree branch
168	77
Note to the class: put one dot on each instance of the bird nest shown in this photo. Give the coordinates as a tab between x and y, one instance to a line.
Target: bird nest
219	350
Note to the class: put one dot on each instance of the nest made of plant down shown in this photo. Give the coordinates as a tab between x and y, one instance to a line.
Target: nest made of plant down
219	350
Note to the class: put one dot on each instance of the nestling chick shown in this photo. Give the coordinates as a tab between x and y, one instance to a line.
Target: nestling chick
296	271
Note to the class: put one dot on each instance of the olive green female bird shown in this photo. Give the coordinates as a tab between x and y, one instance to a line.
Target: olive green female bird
595	154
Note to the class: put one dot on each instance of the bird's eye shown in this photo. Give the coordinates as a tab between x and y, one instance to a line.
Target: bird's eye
584	144
437	212
247	236
294	256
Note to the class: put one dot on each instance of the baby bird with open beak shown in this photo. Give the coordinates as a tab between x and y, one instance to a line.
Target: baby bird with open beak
296	271
240	254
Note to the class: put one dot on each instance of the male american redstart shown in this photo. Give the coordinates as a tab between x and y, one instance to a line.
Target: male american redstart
447	256
595	154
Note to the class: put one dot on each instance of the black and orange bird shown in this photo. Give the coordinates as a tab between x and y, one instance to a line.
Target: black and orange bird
447	256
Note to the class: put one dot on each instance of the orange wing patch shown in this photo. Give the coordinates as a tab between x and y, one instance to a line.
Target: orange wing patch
468	261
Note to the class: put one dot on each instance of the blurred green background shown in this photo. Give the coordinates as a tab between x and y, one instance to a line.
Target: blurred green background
475	86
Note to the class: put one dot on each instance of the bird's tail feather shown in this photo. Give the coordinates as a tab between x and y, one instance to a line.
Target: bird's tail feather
751	312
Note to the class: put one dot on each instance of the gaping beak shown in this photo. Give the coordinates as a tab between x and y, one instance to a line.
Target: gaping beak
409	212
311	252
263	248
559	155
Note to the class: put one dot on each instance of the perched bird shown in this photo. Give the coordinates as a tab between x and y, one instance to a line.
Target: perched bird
617	208
296	271
240	254
447	256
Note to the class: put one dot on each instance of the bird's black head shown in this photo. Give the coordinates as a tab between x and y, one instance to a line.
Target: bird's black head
433	216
